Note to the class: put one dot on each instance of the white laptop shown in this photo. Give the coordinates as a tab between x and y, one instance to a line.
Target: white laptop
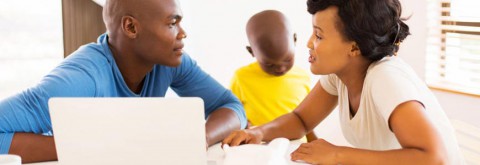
129	130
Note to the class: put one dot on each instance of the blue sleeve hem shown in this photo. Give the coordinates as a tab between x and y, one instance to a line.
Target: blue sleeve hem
5	141
240	114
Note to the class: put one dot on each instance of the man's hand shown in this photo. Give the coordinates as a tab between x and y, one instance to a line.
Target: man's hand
248	136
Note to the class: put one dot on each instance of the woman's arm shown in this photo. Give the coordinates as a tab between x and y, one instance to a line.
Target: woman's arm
420	142
312	110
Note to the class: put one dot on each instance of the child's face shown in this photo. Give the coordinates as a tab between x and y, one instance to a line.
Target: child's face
276	64
329	51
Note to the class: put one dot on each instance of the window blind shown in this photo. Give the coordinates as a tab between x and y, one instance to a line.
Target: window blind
453	45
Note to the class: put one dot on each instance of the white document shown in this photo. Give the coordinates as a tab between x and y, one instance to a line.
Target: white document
257	154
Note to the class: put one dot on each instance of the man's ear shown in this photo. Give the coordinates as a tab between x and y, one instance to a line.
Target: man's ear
129	26
249	49
355	51
294	38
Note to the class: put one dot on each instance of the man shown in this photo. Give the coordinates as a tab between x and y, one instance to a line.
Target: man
140	56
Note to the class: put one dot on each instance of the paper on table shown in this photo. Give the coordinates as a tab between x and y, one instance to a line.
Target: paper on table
257	154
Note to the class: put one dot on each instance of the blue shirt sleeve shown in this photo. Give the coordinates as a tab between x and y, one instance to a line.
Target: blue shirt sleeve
27	111
190	80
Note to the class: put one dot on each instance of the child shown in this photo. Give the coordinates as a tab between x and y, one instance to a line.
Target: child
271	86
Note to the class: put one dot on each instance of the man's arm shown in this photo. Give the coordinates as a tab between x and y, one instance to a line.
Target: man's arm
25	119
219	125
33	147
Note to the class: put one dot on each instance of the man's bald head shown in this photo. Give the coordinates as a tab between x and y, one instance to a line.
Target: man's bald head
114	10
269	33
142	10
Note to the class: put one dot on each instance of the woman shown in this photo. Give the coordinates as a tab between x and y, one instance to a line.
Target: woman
386	111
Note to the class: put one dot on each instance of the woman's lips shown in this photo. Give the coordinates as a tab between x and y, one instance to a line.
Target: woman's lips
311	59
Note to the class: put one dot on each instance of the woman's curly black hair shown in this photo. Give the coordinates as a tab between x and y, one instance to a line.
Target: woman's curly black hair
375	25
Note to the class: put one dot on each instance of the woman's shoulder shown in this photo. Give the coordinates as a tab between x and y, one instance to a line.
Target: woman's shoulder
392	73
390	66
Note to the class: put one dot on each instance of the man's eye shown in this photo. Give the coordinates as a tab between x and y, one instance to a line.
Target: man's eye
173	23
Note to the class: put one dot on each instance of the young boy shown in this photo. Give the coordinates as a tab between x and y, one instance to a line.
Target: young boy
271	86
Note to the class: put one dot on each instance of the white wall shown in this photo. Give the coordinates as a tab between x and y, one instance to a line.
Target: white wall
413	49
31	42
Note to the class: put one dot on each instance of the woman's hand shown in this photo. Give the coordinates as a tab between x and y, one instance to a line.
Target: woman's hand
247	136
316	152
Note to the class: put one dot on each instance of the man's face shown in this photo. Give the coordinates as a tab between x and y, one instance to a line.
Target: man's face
160	35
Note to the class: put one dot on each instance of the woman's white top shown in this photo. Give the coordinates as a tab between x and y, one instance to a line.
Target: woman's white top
388	83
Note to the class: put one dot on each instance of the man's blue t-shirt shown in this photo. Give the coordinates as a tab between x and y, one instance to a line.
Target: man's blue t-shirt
91	71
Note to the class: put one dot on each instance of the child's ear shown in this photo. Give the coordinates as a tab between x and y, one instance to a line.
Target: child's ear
295	38
249	49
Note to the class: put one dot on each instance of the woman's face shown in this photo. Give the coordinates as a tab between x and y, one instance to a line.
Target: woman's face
329	51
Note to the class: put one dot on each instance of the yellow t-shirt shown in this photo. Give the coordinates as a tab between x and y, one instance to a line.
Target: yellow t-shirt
266	97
